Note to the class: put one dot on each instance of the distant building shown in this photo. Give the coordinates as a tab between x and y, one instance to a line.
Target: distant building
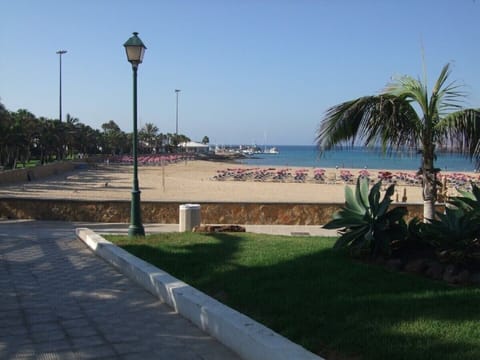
194	147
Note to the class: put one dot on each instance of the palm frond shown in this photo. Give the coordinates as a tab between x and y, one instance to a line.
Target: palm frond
409	89
383	120
461	129
445	98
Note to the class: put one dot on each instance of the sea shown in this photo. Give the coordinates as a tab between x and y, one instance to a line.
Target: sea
355	158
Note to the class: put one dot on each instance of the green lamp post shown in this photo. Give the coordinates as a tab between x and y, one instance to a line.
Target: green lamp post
60	53
135	50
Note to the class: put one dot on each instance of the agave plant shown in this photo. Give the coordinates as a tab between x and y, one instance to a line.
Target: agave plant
456	232
455	235
469	201
366	223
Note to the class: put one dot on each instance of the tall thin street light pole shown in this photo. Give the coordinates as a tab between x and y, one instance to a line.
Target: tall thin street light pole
60	53
176	116
135	50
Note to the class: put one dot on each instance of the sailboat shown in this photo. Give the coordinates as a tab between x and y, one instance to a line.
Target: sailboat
271	151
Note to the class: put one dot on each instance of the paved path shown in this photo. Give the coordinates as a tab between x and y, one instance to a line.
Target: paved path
121	228
59	301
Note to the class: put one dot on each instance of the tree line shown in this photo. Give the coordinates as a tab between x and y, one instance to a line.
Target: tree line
25	138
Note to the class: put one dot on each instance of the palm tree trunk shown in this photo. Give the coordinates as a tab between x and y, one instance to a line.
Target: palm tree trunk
429	182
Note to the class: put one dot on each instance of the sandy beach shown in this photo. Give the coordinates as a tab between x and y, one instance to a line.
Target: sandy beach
201	181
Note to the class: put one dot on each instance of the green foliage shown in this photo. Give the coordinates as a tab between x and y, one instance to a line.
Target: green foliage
452	228
469	201
367	223
115	140
415	229
456	233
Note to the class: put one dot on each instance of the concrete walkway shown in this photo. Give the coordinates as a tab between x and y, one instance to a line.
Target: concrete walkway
121	228
59	301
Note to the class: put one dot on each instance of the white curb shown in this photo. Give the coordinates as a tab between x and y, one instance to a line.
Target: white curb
248	338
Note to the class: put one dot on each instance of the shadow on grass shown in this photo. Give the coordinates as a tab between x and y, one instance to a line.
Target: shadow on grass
322	300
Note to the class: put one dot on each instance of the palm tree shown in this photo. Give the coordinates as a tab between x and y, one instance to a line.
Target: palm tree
72	126
148	136
115	139
48	140
391	120
89	140
5	123
18	138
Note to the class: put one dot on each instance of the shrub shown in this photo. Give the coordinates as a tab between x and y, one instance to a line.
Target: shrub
367	225
469	201
456	233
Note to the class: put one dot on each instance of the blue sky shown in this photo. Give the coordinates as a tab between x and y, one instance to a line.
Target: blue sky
248	70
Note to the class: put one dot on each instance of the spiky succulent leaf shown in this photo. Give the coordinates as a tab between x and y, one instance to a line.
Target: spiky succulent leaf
374	198
387	200
349	236
395	214
390	191
469	201
362	192
344	222
455	231
352	201
366	222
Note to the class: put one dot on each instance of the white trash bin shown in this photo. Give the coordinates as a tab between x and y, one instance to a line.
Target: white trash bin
189	217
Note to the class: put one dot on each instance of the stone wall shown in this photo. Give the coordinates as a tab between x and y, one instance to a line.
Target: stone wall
35	173
168	212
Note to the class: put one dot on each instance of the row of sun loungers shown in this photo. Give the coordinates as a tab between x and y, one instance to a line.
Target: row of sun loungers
340	176
154	159
264	174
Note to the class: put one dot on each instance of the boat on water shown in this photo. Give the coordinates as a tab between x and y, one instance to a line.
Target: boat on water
247	150
272	151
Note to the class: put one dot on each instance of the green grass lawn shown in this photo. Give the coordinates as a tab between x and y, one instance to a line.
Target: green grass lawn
321	299
29	164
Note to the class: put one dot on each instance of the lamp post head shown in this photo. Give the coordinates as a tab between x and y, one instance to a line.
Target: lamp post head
177	90
61	52
135	49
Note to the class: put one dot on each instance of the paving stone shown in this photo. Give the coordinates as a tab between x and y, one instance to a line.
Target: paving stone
44	336
203	347
147	355
116	337
14	340
41	318
81	331
74	323
14	321
95	352
10	307
39	309
60	301
20	352
52	346
87	341
45	327
18	330
69	315
57	355
176	353
124	348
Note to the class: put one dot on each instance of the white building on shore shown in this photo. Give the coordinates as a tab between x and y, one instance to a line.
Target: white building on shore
194	147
